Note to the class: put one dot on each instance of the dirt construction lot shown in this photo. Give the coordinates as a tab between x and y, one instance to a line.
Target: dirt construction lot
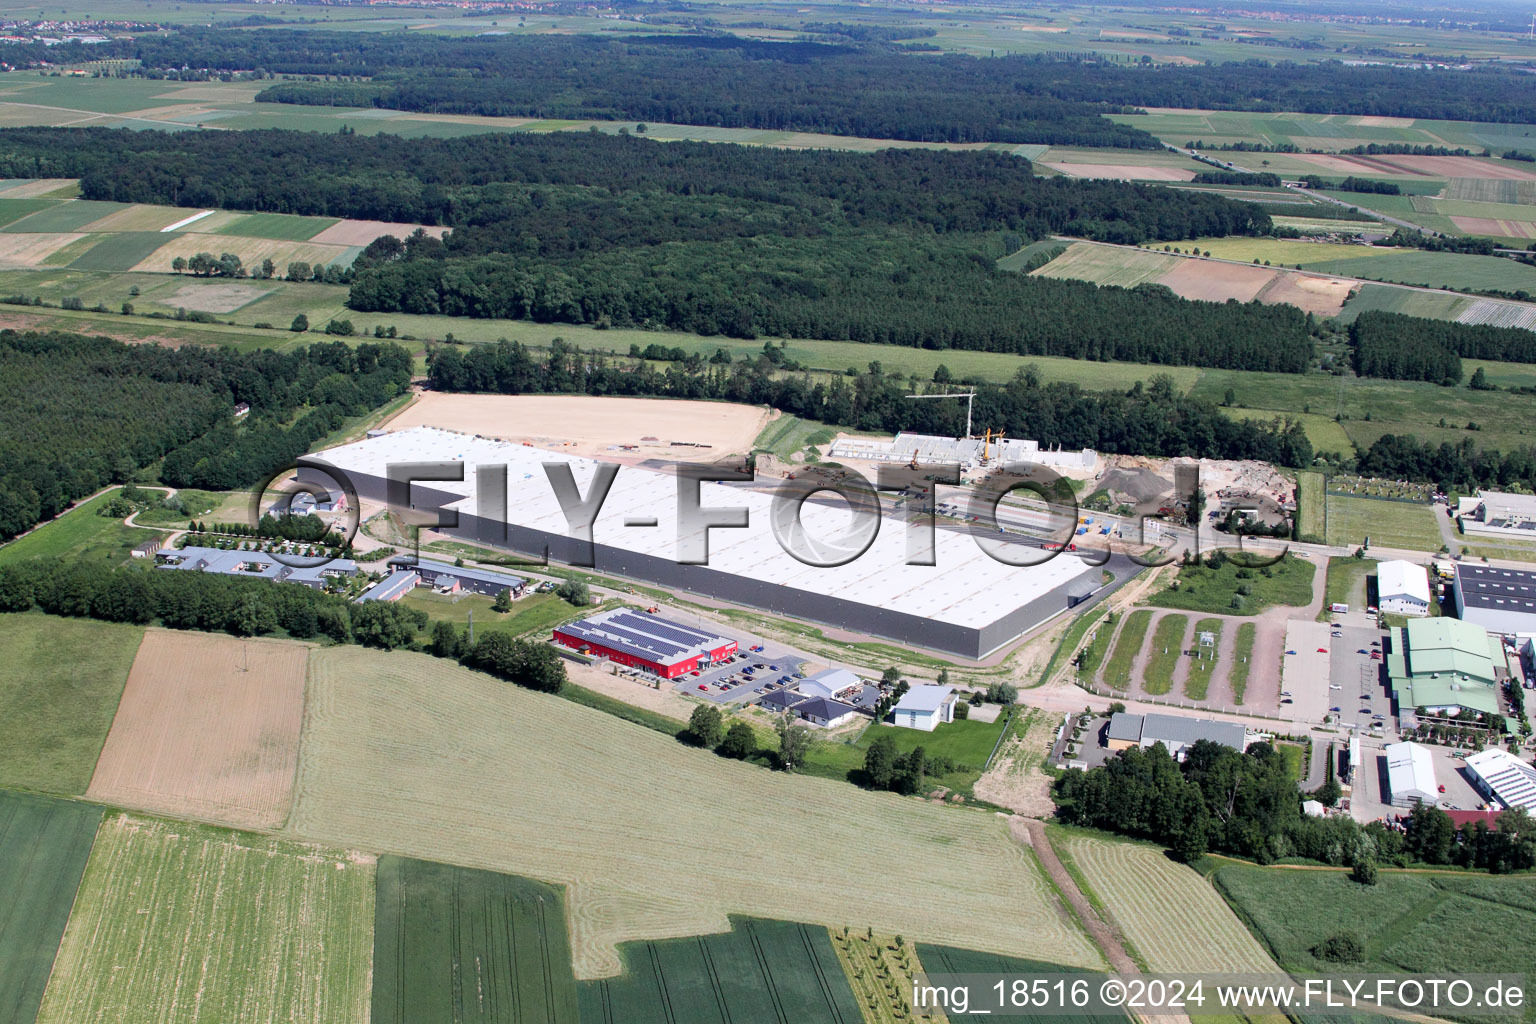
414	755
592	426
208	728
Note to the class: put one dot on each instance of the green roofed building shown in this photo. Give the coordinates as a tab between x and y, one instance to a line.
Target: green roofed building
1446	665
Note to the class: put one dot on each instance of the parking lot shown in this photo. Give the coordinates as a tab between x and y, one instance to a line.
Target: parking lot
1369	799
1357	682
739	680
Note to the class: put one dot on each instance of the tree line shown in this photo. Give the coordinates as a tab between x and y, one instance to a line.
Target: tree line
78	413
179	599
1381	349
1154	419
1451	467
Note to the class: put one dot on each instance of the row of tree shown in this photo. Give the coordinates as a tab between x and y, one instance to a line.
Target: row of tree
253	607
1155	419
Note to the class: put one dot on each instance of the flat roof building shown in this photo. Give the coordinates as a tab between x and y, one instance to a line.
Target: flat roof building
1410	775
1402	588
255	565
925	707
967	451
1445	666
1499	513
968	602
391	588
829	683
1175	732
646	642
1499	600
1503	778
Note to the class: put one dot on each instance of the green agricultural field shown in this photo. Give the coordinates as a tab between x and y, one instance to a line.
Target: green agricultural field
758	971
1118	672
120	251
81	535
1430	923
1164	653
1312	505
1433	305
44	845
1345	584
12	210
789	434
454	944
1388	524
1242	660
949	960
1220	590
58	709
281	226
1198	681
64	215
245	927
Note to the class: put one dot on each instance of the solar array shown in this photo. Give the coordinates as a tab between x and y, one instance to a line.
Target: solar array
644	636
1512	780
1484	586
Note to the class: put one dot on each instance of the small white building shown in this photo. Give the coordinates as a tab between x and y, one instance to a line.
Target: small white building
1411	775
829	683
1402	588
1503	778
1313	808
925	707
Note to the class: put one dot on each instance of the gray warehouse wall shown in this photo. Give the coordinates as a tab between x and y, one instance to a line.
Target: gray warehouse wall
967	641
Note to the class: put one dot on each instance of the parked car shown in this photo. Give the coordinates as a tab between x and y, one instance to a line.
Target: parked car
1286	700
1335	709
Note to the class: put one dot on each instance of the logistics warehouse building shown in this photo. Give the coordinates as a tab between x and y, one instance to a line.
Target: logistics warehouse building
668	649
968	603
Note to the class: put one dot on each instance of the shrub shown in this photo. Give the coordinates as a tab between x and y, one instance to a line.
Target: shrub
1343	948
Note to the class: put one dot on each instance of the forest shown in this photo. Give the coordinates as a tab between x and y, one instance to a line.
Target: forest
1381	350
1452	467
1153	419
1382	331
78	413
708	237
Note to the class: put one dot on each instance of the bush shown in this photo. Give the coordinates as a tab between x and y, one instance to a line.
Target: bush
706	726
1343	948
300	324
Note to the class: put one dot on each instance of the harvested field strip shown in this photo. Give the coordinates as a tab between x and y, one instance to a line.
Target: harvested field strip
139	217
1164	653
439	928
1127	644
68	253
65	215
1242	659
1171	914
1204	664
414	755
120	251
766	972
44	845
208	728
252	251
178	923
30	250
58	709
1110	264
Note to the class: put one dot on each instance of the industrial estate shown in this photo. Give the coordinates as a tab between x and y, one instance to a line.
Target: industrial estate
736	513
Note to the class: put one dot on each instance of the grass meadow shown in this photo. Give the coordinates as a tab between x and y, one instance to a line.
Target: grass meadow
1164	654
1312	505
81	535
1388	524
1242	660
1220	591
58	709
1118	672
1345	584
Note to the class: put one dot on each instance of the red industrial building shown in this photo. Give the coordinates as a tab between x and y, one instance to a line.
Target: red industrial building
646	642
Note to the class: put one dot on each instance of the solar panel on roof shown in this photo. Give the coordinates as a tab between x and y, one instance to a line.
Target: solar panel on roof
660	646
587	636
681	634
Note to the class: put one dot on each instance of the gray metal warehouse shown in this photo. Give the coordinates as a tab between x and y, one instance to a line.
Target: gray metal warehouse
968	603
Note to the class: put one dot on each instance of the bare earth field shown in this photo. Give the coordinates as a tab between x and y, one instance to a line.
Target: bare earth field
1495	227
409	754
361	232
40	187
1321	295
1123	172
591	425
30	249
208	728
1217	282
